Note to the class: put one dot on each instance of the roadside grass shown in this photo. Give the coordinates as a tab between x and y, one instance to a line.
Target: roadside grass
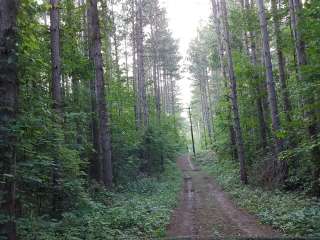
140	210
293	213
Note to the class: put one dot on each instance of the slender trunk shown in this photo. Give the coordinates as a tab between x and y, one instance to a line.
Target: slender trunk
281	61
263	128
253	56
115	41
164	92
203	110
205	104
76	104
172	87
155	74
126	59
209	110
108	45
191	132
55	56
102	112
219	33
272	97
262	122
234	96
9	85
56	89
141	74
95	170
134	65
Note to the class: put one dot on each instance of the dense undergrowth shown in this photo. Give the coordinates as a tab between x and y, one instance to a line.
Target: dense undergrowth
291	212
139	210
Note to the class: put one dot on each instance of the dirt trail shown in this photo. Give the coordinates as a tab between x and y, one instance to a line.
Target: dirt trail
205	211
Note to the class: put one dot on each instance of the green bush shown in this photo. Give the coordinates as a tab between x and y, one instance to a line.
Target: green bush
139	210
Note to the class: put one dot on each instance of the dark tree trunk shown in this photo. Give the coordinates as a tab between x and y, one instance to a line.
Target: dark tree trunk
281	62
103	121
234	96
95	167
57	92
143	107
272	97
155	70
55	56
253	55
8	110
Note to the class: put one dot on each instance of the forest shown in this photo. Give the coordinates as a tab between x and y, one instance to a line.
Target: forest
96	143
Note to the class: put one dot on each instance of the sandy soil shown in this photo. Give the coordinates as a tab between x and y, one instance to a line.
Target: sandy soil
205	211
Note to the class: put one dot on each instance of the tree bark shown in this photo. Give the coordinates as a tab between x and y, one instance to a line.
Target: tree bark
134	64
95	170
102	112
8	109
251	41
272	97
57	91
143	107
281	62
259	101
234	96
155	68
205	104
55	56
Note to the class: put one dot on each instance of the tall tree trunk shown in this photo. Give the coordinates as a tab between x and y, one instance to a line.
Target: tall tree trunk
209	110
234	96
56	89
102	112
134	63
115	41
155	74
8	109
126	58
95	170
205	104
143	108
272	97
281	61
55	56
251	41
203	110
216	15
263	129
108	22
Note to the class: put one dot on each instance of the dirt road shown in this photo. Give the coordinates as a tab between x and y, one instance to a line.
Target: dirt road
205	211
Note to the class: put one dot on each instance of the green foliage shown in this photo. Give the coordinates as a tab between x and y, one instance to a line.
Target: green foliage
138	210
55	197
291	212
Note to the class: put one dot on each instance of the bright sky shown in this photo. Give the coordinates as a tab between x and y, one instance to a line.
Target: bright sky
184	18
